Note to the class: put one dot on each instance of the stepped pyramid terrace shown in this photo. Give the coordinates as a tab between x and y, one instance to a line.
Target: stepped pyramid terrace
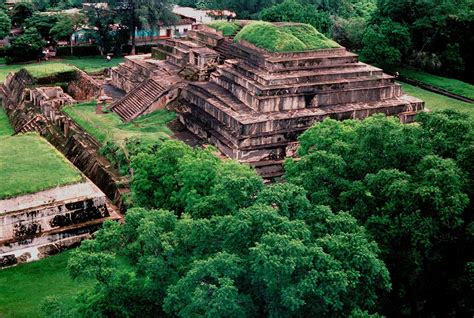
251	93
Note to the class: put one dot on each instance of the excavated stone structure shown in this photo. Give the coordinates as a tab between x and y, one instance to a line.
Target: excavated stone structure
256	103
35	225
153	81
150	84
50	99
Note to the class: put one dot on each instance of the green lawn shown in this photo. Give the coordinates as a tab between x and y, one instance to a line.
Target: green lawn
91	64
23	287
435	101
36	69
451	85
5	128
29	164
46	68
109	126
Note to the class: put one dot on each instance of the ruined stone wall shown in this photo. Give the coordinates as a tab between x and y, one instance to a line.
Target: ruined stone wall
70	139
31	227
13	88
84	87
25	224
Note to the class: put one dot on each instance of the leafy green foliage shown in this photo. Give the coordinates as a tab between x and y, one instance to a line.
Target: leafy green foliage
349	32
29	43
273	257
407	185
295	11
440	33
385	43
66	26
5	24
42	23
227	28
21	12
177	178
288	38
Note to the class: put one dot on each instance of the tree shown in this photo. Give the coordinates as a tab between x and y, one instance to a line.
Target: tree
407	185
386	43
102	19
29	43
5	24
66	26
295	11
21	12
135	13
441	33
42	23
349	32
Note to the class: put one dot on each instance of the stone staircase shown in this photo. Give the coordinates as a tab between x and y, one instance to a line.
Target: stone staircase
135	102
35	124
225	49
142	98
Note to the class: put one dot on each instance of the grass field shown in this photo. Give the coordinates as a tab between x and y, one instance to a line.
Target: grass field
36	69
23	288
435	101
46	68
109	126
5	128
451	85
30	164
91	64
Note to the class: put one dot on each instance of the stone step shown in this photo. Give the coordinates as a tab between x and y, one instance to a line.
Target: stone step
293	77
138	100
299	98
254	83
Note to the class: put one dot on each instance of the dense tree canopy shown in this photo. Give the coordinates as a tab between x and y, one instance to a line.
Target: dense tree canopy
278	257
441	33
223	244
21	12
407	185
42	23
30	44
5	24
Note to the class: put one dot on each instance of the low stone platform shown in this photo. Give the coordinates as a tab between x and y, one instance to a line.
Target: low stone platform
35	225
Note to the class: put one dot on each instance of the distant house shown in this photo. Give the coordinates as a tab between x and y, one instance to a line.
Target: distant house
199	16
187	18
